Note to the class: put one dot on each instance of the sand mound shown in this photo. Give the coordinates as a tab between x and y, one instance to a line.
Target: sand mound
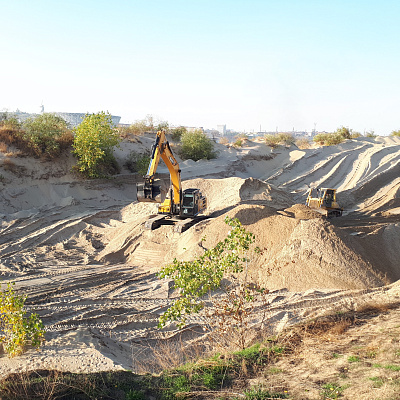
300	252
224	193
301	211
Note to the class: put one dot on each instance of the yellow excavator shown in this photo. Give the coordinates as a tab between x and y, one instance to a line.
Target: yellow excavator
324	201
180	208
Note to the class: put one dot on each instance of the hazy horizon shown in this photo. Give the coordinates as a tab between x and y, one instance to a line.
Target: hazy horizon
245	64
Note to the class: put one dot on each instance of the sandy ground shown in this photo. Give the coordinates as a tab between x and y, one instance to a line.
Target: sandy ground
79	251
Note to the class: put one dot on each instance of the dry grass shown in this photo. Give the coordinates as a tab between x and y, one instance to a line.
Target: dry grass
3	147
303	143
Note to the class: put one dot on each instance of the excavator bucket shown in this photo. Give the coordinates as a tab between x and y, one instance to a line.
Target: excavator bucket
151	192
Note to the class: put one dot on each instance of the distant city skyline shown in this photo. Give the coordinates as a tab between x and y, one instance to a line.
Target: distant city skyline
248	63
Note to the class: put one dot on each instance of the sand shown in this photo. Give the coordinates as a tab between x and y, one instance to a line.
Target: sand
78	248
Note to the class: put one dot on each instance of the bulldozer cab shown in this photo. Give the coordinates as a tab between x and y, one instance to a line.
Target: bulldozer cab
328	196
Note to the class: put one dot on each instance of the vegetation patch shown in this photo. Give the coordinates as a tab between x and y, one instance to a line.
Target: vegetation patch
17	331
196	146
93	145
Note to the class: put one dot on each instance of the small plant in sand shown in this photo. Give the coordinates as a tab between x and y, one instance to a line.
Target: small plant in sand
195	279
16	330
93	144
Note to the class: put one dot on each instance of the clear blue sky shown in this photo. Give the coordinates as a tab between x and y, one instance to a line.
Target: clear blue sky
282	63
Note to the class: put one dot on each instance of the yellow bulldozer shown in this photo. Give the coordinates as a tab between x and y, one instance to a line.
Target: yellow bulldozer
324	201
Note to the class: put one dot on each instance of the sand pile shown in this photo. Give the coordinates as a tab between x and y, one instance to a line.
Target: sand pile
224	193
300	249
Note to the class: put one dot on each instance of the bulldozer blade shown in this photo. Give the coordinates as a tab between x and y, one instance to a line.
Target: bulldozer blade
151	193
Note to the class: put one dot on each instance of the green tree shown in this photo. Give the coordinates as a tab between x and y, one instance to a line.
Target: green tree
93	144
47	134
200	277
197	146
395	133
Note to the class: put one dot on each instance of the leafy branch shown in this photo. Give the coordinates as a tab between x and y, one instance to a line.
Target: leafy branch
197	278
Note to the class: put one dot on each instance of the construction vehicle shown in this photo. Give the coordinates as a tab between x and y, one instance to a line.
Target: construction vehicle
324	201
180	208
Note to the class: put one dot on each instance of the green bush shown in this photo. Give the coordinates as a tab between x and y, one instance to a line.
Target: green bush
286	138
46	135
197	146
328	139
138	162
93	144
395	133
7	120
271	140
178	132
344	132
16	330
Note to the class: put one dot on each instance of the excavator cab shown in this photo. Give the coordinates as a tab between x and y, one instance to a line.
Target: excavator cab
193	202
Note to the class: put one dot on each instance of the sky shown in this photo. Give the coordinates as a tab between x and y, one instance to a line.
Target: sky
248	64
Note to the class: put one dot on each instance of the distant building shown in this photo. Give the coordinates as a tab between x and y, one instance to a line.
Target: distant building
221	129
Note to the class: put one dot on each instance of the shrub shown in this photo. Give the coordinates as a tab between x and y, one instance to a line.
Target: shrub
370	134
47	135
93	144
395	133
178	132
163	126
271	140
197	146
344	132
303	143
16	330
328	139
138	162
286	138
355	135
9	121
138	128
